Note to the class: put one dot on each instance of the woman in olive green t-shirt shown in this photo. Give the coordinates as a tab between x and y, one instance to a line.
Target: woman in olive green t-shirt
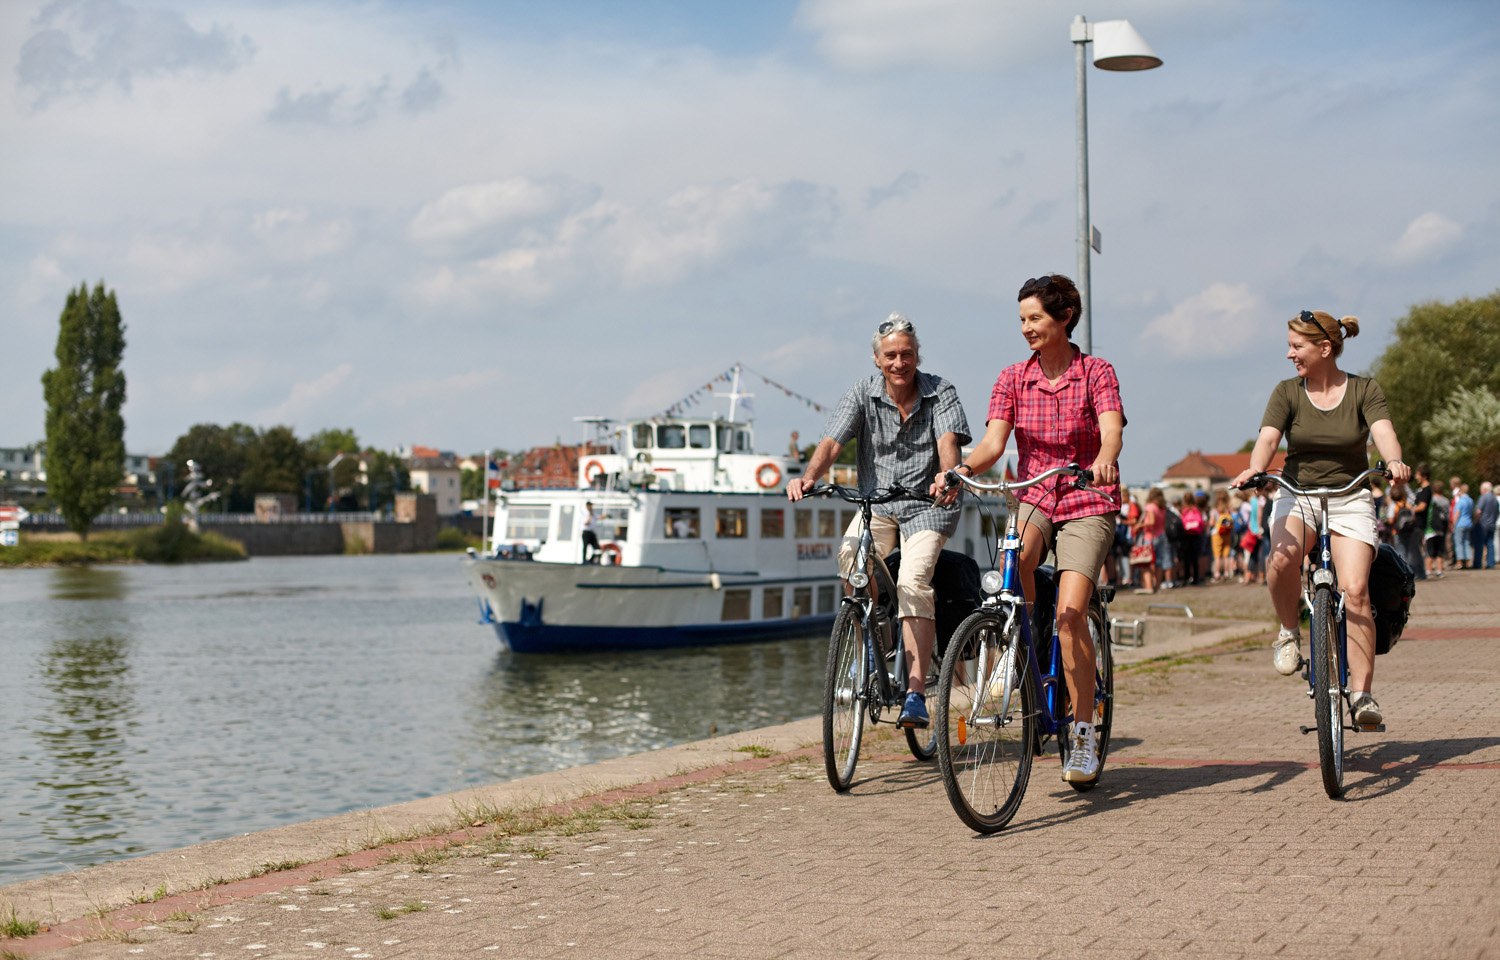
1327	417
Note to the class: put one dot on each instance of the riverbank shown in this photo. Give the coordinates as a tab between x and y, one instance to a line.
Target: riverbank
1209	833
161	544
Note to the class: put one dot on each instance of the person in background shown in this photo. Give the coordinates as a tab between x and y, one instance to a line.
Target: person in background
1221	528
910	427
1486	514
1194	523
1419	498
1152	527
1328	418
590	534
1435	537
1463	527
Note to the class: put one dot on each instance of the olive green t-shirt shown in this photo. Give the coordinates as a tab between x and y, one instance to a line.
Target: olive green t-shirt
1325	448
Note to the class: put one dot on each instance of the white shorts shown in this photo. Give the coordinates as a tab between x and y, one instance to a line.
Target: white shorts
1352	515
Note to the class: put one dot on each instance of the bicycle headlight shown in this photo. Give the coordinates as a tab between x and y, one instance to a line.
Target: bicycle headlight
859	580
990	582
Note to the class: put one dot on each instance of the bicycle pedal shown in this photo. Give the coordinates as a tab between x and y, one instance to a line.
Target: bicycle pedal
1369	728
1308	729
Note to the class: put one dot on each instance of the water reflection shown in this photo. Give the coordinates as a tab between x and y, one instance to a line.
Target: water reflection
90	712
536	712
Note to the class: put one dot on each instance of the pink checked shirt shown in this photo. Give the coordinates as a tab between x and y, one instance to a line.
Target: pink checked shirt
1058	425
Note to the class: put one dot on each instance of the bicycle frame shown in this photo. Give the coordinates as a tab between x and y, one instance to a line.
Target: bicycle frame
1012	600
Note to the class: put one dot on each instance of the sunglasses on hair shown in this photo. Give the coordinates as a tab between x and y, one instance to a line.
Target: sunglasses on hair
1306	316
887	326
1043	281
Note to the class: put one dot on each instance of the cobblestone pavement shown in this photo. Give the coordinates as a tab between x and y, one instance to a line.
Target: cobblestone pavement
1209	835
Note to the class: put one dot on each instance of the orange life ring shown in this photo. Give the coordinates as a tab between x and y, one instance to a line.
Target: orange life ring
592	469
768	482
611	550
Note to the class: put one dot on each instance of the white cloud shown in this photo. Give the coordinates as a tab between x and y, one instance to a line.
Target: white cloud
468	209
1215	323
304	397
294	234
44	279
964	34
1426	238
167	261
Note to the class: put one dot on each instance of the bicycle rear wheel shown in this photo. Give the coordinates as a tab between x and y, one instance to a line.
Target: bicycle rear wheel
844	687
1104	694
1328	695
985	718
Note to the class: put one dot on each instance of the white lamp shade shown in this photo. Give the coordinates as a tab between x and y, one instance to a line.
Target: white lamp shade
1117	46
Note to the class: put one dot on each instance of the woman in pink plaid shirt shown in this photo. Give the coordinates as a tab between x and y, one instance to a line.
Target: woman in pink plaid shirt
1064	407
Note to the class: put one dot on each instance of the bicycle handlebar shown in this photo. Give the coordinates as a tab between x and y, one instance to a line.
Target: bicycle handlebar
1257	479
1083	479
876	497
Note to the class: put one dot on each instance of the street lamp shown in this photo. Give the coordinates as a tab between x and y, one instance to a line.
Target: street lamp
1117	46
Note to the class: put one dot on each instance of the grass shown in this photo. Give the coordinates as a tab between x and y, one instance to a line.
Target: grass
275	866
756	750
167	543
391	913
151	897
13	926
452	538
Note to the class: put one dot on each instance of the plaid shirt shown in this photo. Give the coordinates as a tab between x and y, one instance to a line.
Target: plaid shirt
1058	425
894	451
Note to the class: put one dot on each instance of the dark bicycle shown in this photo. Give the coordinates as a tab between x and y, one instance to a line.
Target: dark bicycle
867	670
1327	667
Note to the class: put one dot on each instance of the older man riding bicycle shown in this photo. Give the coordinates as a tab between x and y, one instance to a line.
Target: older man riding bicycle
910	427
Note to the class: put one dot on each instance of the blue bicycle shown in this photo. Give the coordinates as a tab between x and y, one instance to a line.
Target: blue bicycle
1001	694
1327	667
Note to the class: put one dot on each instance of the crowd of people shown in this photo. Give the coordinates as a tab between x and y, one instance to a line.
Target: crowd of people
1168	540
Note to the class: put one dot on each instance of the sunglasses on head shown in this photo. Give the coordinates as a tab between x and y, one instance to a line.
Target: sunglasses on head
889	326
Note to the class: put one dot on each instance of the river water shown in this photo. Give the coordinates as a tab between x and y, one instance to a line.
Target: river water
149	707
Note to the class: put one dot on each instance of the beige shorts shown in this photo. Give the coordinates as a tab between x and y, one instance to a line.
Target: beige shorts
919	553
1352	515
1081	544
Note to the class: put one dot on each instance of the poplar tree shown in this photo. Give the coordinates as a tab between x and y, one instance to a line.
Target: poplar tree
85	457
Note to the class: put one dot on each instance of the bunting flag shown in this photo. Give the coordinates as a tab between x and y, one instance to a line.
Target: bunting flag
727	377
491	473
1010	473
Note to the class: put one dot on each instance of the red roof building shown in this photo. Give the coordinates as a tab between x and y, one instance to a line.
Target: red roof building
1208	470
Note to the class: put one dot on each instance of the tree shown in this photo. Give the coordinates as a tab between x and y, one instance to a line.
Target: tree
1463	432
276	462
1437	348
223	454
84	393
324	447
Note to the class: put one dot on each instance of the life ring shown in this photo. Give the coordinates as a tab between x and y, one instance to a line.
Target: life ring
592	469
610	554
768	475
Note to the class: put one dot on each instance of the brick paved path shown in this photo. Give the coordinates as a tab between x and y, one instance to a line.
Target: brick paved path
1210	836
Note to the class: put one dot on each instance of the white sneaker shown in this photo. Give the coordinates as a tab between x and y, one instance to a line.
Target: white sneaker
1083	757
1286	652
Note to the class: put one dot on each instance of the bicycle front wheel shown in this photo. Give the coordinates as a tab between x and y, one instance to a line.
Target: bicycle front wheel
985	718
1328	695
844	688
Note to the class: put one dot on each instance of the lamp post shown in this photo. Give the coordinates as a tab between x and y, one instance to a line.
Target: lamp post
1117	46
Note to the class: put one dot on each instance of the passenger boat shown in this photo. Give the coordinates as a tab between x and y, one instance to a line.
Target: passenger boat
699	545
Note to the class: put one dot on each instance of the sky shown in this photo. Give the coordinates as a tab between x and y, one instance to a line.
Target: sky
464	224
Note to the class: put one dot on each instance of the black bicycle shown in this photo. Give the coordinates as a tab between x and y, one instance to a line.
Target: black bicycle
867	667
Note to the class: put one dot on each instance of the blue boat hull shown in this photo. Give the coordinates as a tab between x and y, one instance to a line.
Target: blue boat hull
545	638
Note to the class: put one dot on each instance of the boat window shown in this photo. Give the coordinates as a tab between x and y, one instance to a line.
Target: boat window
825	599
804	524
742	441
700	436
565	522
826	521
846	519
527	523
772	524
726	439
613	522
682	523
770	603
640	436
671	436
732	523
736	605
801	602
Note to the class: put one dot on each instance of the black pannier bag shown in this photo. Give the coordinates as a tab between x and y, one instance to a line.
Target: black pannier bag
1392	587
955	580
